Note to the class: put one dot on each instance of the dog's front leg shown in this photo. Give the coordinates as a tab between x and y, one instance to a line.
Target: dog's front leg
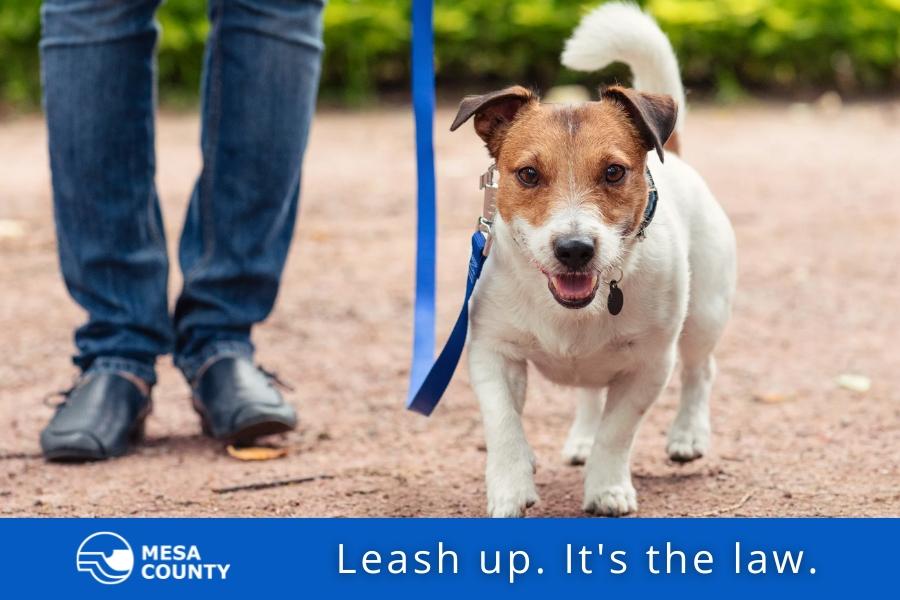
500	383
607	487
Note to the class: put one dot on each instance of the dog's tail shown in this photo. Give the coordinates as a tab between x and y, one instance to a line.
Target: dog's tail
620	32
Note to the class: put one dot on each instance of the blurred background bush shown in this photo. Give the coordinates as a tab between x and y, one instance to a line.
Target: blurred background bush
726	47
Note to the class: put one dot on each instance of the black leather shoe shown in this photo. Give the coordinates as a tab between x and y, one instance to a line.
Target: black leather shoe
100	418
238	402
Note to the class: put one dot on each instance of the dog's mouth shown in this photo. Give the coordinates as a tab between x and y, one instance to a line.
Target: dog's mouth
574	290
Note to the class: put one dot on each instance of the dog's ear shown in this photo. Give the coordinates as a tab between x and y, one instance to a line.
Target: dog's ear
493	113
654	115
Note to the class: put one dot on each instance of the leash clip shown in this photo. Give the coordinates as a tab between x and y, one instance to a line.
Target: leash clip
488	183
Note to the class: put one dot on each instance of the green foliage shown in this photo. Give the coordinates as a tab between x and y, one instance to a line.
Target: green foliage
851	45
724	45
20	26
184	30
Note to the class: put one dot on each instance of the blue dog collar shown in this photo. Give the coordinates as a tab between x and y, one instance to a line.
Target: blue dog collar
650	211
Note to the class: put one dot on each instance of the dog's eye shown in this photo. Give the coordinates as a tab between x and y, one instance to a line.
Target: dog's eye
614	173
528	176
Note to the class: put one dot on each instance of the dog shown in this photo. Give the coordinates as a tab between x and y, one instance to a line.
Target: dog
581	283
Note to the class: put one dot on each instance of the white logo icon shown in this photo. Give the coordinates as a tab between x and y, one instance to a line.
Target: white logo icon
106	556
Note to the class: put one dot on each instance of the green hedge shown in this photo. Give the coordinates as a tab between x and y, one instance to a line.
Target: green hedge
785	45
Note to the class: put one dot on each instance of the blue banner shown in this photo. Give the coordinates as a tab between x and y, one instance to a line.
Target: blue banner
443	558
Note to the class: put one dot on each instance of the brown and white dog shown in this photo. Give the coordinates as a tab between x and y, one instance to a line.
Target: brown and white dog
570	205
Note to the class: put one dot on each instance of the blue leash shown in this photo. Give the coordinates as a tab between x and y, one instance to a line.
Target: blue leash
423	106
429	378
425	396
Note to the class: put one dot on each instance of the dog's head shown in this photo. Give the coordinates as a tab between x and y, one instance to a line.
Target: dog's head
572	185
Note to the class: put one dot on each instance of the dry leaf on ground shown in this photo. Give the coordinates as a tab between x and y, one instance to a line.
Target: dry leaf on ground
772	397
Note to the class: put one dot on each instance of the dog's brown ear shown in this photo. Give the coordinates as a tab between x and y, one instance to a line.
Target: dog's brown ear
654	115
493	113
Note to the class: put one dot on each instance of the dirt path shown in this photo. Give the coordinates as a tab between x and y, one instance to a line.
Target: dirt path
813	198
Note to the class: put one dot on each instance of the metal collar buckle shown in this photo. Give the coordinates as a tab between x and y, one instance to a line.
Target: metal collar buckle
488	183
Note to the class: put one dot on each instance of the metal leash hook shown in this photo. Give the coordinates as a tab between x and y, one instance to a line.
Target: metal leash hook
488	183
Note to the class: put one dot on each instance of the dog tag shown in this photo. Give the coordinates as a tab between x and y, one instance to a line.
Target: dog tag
616	299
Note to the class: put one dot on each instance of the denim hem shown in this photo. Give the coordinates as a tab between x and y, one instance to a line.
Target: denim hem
192	366
116	364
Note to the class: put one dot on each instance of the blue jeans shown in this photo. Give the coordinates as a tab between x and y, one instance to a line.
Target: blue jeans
260	77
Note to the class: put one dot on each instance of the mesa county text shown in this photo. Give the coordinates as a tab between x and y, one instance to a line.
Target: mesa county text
577	559
179	562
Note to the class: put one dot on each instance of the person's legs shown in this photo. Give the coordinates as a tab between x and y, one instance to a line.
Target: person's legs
259	88
97	69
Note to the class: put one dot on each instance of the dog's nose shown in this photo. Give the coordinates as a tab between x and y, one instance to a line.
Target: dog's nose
574	252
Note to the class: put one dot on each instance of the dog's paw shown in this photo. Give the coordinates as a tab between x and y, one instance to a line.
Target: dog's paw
514	505
612	501
687	443
510	494
577	448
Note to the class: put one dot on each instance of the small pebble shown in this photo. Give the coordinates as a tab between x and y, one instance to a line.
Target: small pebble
854	382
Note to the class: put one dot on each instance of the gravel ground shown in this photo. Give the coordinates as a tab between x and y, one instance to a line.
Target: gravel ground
812	195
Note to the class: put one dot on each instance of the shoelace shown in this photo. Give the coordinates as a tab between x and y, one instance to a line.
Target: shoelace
274	378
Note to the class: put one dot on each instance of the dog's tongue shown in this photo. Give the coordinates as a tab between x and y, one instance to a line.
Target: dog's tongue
574	286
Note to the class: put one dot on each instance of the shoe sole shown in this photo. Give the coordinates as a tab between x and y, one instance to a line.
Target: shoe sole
75	455
253	430
248	431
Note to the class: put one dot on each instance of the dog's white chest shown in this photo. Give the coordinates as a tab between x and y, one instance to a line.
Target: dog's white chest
587	356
